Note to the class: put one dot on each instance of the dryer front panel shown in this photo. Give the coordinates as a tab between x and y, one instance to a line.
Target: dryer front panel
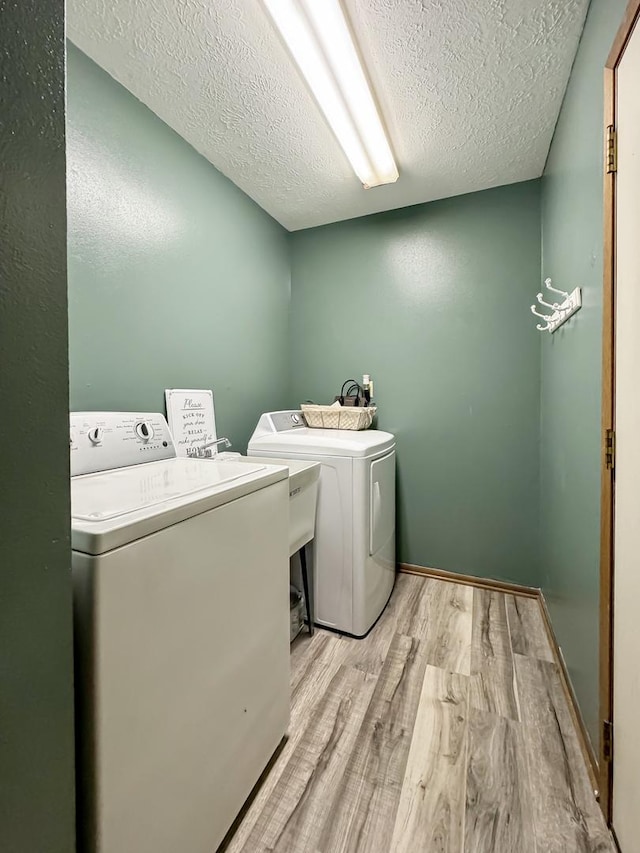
333	546
382	497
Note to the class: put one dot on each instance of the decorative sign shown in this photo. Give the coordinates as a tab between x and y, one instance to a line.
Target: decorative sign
192	420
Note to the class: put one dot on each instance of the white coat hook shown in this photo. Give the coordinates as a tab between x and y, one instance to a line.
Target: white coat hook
554	306
542	316
547	283
571	302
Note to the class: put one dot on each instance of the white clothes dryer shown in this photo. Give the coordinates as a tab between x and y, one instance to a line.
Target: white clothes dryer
181	620
354	558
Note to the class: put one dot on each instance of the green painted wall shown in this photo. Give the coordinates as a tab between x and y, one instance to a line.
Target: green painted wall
433	301
36	652
572	217
176	278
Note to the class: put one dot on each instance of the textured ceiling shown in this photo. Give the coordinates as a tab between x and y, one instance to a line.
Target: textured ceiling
470	91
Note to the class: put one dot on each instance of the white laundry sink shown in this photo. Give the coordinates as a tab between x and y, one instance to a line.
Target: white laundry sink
303	494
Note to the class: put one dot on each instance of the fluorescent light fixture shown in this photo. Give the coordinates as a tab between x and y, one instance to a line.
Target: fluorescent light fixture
319	39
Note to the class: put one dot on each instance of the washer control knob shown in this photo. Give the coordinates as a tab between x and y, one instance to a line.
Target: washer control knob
295	418
144	430
95	435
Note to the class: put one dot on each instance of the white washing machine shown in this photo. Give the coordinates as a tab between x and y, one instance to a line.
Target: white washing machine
354	547
181	615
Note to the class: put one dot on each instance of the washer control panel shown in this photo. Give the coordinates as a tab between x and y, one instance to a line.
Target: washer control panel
284	421
99	441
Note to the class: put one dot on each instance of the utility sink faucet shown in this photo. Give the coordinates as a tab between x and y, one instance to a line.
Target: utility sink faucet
204	451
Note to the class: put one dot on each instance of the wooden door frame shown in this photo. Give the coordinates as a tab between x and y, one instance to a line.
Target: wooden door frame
631	17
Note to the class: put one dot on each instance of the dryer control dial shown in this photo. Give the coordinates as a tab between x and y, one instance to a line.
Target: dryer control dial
95	435
144	430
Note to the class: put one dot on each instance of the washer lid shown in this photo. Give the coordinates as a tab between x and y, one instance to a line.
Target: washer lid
111	508
324	442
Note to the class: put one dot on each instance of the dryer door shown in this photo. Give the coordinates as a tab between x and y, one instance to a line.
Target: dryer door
383	502
333	545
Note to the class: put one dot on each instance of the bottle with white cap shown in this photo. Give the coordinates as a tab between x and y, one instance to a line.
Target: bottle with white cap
367	388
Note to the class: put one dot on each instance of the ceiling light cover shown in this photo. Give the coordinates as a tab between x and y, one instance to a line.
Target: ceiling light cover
318	36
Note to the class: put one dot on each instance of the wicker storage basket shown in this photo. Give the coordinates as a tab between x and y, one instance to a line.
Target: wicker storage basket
332	417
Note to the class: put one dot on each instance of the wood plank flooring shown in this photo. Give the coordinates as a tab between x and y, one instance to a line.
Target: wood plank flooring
446	730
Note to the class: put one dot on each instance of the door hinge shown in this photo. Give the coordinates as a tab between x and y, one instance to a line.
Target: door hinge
611	150
607	740
610	449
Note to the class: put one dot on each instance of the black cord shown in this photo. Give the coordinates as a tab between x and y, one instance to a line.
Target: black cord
355	390
342	394
358	392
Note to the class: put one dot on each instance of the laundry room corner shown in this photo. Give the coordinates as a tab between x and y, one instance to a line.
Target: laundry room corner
432	301
318	361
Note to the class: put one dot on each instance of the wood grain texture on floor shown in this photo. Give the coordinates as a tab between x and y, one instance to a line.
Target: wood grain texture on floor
446	730
492	686
432	797
498	800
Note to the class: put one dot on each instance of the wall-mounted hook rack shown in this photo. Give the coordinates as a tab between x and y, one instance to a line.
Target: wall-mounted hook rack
547	284
571	302
538	314
553	305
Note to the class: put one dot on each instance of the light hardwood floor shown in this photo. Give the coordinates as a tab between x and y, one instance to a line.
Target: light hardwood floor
446	729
